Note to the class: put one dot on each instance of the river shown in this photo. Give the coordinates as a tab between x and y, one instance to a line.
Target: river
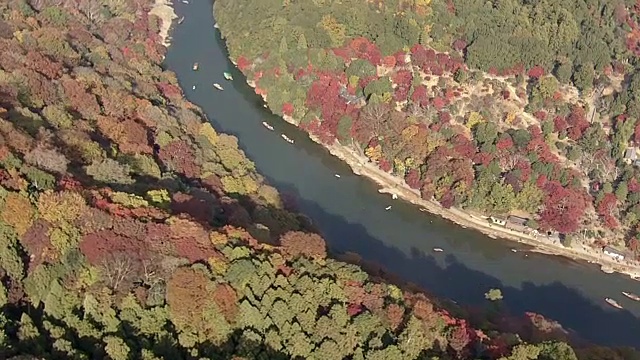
351	213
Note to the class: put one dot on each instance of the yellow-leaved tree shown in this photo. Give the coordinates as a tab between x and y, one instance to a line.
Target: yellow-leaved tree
374	153
474	119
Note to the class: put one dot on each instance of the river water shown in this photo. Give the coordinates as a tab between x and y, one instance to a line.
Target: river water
351	213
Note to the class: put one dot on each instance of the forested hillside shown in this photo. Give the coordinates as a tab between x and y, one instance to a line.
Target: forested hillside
509	107
131	229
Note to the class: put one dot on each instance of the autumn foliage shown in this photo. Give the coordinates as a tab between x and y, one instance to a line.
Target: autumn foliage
297	243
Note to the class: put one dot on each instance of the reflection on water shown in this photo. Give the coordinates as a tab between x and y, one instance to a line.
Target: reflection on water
350	212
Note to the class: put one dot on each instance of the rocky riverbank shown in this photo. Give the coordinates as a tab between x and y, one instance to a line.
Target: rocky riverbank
163	9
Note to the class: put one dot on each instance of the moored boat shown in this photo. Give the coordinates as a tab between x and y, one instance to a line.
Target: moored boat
228	76
437	249
216	26
267	125
613	303
287	139
631	296
388	207
180	20
196	66
218	86
607	269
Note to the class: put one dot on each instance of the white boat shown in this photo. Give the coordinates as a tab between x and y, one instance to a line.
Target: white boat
437	249
267	125
607	269
216	26
613	303
514	250
227	76
180	20
388	207
423	209
338	176
196	66
631	296
218	86
193	87
287	139
185	2
394	196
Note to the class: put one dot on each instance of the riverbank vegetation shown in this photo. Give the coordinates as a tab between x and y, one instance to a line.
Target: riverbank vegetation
502	108
131	229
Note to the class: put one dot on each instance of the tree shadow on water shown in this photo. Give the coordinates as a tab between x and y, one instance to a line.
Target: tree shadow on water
453	280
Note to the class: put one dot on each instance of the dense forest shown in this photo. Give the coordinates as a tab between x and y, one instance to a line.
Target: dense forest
508	107
131	229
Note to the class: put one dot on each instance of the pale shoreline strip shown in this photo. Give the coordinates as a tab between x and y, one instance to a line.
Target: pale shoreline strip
391	184
163	9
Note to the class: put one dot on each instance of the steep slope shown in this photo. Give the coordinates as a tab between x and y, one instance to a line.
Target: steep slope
522	108
131	229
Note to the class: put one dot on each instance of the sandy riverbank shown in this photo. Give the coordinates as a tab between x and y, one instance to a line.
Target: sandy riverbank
394	185
391	184
163	9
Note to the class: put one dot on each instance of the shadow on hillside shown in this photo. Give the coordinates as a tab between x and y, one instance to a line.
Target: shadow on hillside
455	280
210	206
467	287
164	346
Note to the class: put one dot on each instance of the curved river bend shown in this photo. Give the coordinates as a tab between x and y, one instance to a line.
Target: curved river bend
350	212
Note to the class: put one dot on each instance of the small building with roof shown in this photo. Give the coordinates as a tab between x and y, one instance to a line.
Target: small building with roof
516	223
610	251
630	155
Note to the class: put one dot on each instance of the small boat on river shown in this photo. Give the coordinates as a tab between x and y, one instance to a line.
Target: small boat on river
196	66
267	125
218	86
193	87
287	139
215	26
613	303
388	208
394	196
514	250
185	2
607	269
631	296
181	20
228	76
338	176
437	249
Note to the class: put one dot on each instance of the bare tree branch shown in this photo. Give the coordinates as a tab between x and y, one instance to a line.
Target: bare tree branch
118	269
